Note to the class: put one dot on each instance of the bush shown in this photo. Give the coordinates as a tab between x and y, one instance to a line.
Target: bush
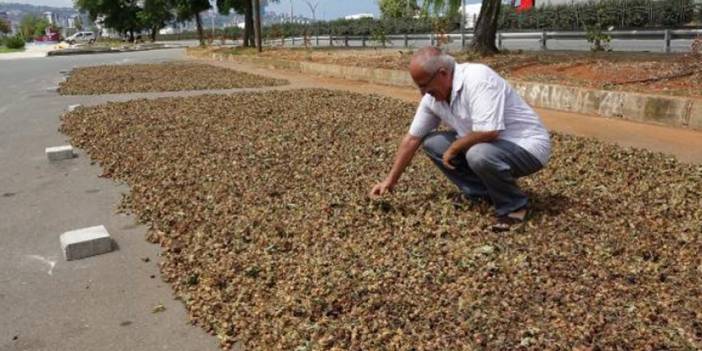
599	41
618	13
16	42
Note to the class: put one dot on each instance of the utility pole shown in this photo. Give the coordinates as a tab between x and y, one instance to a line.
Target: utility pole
291	11
257	27
313	8
463	24
212	14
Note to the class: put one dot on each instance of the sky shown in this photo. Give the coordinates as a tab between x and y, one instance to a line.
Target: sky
327	9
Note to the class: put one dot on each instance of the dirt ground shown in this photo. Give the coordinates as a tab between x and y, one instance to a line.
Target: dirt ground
674	74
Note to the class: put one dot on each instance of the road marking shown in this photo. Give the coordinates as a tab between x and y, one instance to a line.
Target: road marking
50	263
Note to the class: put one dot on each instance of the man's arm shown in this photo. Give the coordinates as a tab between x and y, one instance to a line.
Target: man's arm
463	144
405	152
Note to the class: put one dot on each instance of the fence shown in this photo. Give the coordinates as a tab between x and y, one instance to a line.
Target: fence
664	37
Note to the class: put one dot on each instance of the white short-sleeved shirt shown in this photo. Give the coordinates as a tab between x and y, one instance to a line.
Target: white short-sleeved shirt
482	101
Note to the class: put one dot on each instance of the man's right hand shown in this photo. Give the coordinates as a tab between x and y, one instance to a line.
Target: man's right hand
381	189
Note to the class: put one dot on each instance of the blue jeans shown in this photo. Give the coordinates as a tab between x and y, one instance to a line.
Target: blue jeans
486	170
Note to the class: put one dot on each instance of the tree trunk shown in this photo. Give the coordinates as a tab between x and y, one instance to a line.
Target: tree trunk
257	27
154	31
247	28
200	33
249	25
131	35
486	28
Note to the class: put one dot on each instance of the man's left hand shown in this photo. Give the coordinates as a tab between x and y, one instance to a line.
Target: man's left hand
449	155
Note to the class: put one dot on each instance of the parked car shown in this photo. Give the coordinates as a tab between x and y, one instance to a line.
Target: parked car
81	37
49	37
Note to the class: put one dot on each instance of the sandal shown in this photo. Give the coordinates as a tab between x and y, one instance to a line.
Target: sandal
505	223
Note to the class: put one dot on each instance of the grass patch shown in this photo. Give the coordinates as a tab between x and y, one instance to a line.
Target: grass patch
6	50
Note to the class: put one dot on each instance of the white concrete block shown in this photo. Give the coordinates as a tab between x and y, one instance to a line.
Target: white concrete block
52	89
71	108
85	242
58	153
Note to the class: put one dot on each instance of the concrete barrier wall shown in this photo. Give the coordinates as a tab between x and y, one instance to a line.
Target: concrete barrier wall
657	109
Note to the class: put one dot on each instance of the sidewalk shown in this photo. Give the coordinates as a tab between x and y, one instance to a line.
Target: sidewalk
31	50
684	144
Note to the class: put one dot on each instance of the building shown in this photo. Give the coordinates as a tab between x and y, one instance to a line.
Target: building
72	21
359	16
52	17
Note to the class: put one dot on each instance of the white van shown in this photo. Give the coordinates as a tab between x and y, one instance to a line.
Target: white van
81	37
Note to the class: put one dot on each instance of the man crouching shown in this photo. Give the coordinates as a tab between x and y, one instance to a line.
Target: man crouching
495	136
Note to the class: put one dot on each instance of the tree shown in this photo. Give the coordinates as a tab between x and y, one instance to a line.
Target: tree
248	9
78	23
485	31
120	15
155	15
257	28
5	27
242	7
398	8
447	7
188	9
32	25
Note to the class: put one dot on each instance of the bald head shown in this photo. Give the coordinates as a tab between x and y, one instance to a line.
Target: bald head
428	60
432	72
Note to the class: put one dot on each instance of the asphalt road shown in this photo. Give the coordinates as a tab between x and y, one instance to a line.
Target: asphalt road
629	45
99	303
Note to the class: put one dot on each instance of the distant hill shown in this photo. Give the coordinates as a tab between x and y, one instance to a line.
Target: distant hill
10	6
16	11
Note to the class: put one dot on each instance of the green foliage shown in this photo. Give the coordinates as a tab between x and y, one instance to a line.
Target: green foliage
599	41
120	15
15	42
40	27
188	9
32	25
363	26
605	13
379	35
78	23
155	15
443	7
226	6
397	8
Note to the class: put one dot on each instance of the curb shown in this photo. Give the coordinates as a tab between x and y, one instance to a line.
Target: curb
646	108
71	52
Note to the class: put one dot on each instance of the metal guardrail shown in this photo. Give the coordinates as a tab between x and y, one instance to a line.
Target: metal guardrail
665	35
